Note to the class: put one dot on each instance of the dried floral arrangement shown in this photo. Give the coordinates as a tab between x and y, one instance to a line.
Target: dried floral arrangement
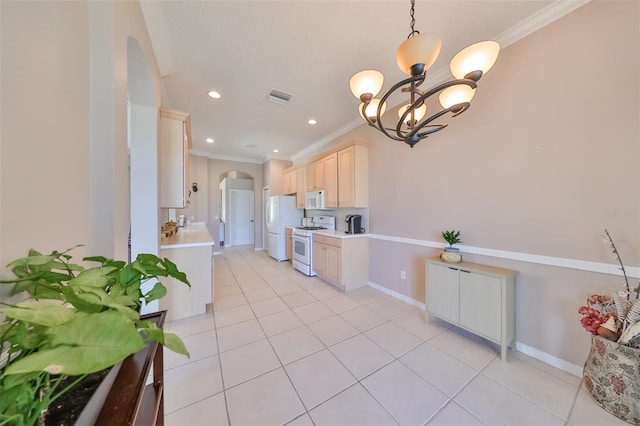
616	317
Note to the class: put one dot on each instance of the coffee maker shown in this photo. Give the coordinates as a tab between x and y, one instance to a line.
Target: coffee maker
354	224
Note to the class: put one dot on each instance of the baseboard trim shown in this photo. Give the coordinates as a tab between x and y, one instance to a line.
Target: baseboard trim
554	361
397	295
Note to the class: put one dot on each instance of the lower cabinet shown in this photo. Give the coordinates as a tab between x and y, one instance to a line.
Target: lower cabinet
343	262
181	300
478	298
289	244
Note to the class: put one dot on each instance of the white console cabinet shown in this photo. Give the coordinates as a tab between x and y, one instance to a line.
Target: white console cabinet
478	298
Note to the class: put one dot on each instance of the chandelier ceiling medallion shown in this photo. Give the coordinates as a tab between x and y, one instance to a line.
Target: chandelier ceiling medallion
414	56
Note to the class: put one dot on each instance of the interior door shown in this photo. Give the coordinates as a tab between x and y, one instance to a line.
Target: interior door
241	212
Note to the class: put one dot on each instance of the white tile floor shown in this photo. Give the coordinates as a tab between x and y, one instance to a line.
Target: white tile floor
282	348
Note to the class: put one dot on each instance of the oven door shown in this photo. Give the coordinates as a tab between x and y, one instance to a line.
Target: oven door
302	249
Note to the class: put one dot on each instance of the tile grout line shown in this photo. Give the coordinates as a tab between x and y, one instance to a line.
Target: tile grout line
215	325
358	381
573	405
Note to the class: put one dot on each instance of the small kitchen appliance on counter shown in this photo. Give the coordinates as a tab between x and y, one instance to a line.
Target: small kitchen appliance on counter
354	224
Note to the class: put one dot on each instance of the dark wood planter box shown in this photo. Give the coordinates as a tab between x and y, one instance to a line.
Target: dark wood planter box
130	401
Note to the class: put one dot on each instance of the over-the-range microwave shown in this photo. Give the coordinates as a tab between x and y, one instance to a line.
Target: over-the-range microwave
314	200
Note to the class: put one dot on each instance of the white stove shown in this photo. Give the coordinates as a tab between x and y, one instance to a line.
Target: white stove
303	242
307	231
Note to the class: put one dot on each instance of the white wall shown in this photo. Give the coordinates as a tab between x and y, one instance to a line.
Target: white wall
64	164
545	159
45	164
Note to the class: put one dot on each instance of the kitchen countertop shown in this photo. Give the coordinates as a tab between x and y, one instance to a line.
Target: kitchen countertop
339	234
194	234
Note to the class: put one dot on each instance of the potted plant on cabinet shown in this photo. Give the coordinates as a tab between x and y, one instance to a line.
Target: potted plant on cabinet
451	254
72	322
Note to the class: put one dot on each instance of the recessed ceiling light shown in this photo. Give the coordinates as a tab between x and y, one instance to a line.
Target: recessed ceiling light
210	140
214	94
276	150
312	121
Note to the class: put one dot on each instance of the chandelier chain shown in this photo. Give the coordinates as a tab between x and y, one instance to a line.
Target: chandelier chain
413	19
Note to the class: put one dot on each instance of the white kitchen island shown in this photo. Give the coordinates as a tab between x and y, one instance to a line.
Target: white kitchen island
191	249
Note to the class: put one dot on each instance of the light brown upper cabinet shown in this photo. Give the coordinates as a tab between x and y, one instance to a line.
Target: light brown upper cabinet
353	177
301	187
290	182
331	180
175	142
315	175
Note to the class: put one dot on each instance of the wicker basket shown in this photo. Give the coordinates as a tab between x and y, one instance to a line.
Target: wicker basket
612	376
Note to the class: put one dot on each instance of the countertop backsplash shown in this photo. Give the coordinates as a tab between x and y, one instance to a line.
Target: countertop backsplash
341	214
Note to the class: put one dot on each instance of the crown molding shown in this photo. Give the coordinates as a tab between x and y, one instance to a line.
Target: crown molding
225	157
543	17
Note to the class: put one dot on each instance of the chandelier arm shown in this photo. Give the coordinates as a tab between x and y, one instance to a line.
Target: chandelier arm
458	108
445	85
414	80
455	109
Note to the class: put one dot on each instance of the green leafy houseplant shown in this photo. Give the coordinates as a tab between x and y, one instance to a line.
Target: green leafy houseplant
452	237
74	321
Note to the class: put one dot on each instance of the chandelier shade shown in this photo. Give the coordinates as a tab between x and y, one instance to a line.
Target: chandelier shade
418	49
367	82
414	57
456	95
371	110
417	112
477	57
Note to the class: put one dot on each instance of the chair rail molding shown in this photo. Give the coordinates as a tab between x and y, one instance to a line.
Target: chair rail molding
561	262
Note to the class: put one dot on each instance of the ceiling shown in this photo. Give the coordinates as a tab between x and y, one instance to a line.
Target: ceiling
310	50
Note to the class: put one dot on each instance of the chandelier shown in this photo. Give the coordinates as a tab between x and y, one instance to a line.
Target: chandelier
414	57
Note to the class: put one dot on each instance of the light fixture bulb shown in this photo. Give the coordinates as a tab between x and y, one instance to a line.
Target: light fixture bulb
418	49
276	150
372	109
368	81
312	121
214	94
457	94
477	57
418	112
209	140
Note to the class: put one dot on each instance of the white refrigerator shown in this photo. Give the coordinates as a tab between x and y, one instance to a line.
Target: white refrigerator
281	212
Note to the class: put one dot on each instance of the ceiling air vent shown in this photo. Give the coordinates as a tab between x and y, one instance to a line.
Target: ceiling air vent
278	98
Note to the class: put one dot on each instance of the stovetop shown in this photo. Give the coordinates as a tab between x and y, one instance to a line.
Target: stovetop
310	228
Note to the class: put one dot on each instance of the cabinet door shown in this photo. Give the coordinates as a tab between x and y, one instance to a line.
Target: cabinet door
333	264
315	175
318	258
289	245
301	187
331	180
443	292
346	176
289	183
481	304
172	163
